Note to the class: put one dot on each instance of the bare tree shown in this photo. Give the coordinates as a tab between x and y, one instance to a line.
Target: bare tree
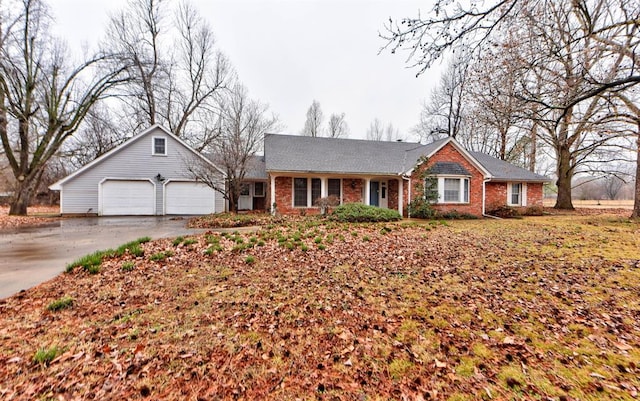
443	114
177	82
313	123
239	132
375	132
43	100
609	26
612	186
98	134
337	126
392	133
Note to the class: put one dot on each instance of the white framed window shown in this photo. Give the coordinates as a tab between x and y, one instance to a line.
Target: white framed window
334	187
159	146
306	191
259	189
516	194
300	192
449	189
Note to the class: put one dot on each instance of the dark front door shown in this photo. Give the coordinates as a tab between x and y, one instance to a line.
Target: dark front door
374	193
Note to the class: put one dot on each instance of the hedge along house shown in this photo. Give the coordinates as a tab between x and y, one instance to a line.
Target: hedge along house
304	169
146	175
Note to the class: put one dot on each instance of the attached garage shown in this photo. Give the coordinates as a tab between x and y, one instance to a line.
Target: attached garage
127	197
188	197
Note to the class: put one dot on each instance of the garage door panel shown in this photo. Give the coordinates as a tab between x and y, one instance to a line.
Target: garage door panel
127	197
189	198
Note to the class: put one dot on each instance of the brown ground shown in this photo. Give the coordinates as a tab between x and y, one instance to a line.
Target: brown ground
37	215
542	308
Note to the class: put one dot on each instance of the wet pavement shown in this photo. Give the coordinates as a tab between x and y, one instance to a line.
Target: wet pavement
32	255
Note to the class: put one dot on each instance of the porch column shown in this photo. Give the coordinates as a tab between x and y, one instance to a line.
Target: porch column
272	197
324	187
400	196
367	191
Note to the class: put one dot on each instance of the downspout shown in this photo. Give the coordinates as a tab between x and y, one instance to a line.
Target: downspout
409	199
484	200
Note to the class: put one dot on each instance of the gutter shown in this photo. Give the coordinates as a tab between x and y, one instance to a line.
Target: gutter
484	200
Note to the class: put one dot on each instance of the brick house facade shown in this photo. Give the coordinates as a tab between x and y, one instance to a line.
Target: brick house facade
387	174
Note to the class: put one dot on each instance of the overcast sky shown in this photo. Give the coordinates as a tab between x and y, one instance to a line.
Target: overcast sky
289	53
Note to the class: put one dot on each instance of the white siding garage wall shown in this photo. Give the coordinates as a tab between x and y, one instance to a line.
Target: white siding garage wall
127	197
188	197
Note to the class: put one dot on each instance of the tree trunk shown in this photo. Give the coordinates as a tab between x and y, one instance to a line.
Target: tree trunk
636	203
565	175
21	198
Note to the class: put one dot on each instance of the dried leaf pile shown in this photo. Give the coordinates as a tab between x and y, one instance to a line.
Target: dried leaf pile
540	308
38	215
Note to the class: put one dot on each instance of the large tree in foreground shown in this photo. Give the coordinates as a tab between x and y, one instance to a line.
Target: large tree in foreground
609	27
43	98
239	132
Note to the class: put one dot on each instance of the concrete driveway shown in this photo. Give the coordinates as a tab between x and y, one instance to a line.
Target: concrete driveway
33	255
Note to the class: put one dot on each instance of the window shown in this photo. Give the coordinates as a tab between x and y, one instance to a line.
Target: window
316	190
334	188
244	189
258	189
516	194
159	146
447	190
451	190
300	192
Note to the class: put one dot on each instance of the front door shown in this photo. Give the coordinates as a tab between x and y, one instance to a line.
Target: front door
383	195
245	202
374	193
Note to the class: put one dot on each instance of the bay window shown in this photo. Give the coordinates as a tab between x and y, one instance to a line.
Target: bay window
448	189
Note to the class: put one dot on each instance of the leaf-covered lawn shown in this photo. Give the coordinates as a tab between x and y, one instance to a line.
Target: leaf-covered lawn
37	215
541	308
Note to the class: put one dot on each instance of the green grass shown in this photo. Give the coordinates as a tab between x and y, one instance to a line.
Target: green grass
91	263
160	256
127	266
60	304
44	356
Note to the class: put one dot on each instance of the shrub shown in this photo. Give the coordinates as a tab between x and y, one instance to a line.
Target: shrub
60	304
360	213
421	209
503	211
326	203
533	211
456	215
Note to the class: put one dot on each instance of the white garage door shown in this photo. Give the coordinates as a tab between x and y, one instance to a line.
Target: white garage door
189	198
121	198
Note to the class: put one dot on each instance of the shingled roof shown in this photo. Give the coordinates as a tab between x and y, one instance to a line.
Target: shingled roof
304	154
448	168
504	171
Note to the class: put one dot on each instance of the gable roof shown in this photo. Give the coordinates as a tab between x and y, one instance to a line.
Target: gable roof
293	153
501	170
304	154
57	186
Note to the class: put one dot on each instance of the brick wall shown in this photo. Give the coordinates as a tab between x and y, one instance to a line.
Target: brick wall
449	154
497	194
392	194
352	194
